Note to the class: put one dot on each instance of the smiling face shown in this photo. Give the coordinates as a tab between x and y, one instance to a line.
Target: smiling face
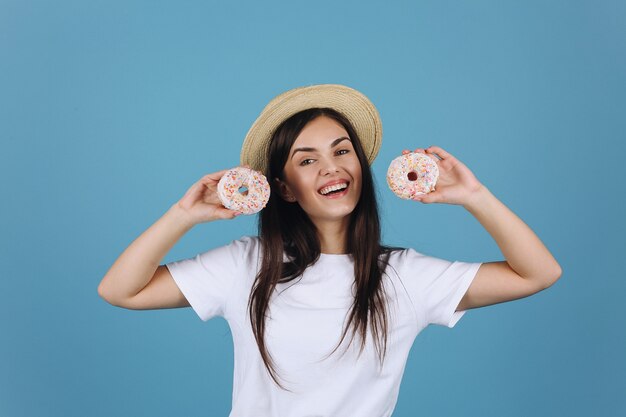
322	172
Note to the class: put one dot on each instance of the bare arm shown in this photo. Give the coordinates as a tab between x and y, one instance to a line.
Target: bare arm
136	280
137	265
529	266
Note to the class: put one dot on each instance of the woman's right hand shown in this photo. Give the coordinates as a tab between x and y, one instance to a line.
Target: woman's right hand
201	203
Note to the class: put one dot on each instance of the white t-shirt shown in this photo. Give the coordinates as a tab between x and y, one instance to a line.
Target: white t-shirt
305	321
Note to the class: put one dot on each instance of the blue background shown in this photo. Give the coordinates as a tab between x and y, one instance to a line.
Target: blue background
110	111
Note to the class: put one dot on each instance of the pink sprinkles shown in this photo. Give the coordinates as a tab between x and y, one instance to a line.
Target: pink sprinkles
412	174
244	190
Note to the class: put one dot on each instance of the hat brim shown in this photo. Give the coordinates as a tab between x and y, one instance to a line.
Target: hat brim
355	106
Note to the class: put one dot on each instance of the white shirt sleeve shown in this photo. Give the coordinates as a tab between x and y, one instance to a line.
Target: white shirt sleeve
436	286
207	278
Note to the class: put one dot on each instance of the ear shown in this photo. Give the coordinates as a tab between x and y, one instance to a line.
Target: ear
285	192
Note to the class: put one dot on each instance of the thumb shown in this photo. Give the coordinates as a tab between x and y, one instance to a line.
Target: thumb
426	198
222	213
228	214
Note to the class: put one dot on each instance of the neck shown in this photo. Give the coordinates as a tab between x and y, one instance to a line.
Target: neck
333	236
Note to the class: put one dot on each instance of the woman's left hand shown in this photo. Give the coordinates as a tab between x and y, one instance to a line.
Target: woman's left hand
456	183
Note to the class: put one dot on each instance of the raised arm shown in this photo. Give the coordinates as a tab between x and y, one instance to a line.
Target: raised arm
136	280
528	267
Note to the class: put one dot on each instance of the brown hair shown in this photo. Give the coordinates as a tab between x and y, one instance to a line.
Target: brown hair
285	228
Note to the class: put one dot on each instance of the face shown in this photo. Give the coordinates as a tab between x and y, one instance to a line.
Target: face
323	173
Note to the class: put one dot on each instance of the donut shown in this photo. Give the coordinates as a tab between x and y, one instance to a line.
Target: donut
412	174
244	190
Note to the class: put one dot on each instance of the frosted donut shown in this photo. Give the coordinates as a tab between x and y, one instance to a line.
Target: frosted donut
412	174
244	190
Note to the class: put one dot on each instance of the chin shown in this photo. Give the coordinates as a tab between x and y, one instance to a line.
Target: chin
339	214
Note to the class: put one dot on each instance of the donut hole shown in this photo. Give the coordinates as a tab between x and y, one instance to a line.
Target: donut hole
412	176
243	190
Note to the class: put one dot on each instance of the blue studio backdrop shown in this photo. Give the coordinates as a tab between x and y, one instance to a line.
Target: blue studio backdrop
111	110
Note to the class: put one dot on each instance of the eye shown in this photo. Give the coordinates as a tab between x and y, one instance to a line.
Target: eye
342	151
306	162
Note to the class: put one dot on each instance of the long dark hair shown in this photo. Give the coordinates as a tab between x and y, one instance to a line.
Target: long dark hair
285	228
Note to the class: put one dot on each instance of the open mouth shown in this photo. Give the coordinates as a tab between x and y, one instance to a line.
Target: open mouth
334	189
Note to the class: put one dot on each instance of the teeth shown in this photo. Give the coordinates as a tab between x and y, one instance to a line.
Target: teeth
335	187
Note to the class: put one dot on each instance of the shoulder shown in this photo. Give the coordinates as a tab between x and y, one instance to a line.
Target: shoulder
247	241
249	250
408	261
236	250
245	245
400	255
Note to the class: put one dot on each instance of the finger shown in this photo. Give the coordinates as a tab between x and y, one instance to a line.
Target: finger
196	189
215	176
420	150
434	157
440	152
405	151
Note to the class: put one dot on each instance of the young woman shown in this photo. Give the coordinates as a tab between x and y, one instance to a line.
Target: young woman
322	315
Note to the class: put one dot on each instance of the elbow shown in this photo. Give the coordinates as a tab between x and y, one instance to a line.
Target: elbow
106	295
103	294
101	290
554	276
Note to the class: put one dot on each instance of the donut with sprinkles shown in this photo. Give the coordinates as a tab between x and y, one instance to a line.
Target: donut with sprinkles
243	189
412	174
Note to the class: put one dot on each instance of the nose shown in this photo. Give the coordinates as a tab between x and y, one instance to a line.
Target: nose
328	167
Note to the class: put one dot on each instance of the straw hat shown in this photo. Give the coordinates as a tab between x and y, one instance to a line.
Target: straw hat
352	104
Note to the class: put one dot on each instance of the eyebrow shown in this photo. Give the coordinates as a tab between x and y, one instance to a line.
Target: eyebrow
308	149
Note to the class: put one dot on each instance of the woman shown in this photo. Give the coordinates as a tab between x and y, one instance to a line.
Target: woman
322	315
